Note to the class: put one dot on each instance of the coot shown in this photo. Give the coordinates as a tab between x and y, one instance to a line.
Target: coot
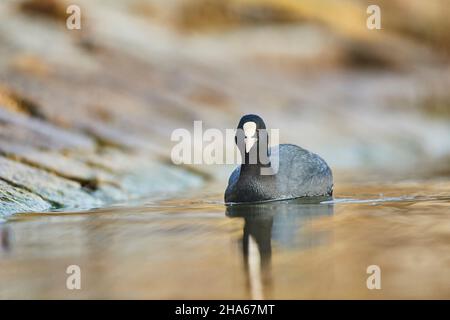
284	172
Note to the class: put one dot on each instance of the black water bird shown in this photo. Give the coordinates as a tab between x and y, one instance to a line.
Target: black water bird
283	172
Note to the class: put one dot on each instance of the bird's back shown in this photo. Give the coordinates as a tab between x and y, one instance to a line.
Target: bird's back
300	174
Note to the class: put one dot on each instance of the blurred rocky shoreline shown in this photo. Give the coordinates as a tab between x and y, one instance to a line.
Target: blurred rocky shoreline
86	115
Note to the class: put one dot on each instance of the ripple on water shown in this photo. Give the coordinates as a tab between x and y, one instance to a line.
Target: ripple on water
195	247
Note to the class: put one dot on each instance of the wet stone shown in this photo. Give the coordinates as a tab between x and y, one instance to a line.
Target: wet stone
64	166
14	200
60	192
64	139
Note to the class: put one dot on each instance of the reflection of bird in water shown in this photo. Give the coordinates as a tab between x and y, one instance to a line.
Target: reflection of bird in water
5	238
257	250
281	221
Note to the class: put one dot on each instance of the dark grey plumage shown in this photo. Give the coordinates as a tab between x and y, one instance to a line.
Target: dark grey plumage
300	174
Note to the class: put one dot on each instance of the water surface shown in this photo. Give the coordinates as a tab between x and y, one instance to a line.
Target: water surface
195	247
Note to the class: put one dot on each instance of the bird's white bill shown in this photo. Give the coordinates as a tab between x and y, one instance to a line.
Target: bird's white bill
249	131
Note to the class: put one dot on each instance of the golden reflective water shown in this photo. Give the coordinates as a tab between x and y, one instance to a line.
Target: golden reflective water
195	247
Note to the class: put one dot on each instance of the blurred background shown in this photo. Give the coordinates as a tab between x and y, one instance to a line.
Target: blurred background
86	118
365	100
